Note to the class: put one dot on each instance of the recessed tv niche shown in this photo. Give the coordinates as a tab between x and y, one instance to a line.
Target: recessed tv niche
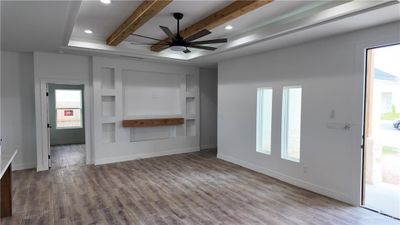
149	93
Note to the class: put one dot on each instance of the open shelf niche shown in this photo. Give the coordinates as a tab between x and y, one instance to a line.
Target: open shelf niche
191	106
108	130
108	105
190	127
107	78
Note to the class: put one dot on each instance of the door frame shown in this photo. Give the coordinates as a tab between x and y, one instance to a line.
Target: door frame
42	136
365	126
365	122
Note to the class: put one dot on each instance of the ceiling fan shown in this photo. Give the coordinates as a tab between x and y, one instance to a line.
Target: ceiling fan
178	43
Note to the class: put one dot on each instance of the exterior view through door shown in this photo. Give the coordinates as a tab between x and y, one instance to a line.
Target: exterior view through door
381	189
66	125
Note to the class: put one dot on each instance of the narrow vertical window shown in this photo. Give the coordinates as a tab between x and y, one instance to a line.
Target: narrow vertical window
291	123
68	109
264	118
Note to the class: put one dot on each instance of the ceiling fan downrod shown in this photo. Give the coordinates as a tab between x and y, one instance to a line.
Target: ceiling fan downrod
178	16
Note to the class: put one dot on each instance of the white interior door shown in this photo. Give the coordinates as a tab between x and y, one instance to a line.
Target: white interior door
48	125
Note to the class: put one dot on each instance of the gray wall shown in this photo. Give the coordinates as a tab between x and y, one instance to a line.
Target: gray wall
63	136
208	108
18	107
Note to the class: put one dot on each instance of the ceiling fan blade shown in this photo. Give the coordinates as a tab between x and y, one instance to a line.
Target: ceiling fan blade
138	35
187	51
168	32
198	35
203	47
214	41
136	43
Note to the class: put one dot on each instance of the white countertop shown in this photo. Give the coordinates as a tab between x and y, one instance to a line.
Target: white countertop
7	156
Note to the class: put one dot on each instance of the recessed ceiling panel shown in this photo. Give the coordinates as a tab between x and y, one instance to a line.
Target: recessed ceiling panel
275	18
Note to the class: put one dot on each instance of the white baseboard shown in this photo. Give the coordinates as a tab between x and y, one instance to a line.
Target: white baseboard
144	155
208	146
288	179
22	166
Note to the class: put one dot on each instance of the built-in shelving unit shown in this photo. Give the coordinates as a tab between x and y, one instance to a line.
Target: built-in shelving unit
139	113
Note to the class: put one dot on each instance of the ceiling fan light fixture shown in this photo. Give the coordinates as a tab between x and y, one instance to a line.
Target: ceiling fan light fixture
228	27
87	31
177	48
105	1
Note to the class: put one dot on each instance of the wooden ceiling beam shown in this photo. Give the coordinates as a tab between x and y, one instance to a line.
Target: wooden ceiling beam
146	10
230	12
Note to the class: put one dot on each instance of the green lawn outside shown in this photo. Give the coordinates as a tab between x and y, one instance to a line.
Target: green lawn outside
387	149
390	116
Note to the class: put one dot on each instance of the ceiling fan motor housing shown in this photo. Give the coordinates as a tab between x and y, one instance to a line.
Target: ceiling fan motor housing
178	15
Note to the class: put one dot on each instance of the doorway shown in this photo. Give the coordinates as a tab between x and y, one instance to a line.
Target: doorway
66	125
381	173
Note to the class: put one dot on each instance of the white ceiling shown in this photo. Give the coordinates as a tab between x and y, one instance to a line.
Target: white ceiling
263	23
372	18
36	25
104	19
49	25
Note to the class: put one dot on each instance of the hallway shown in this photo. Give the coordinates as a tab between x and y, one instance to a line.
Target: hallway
63	156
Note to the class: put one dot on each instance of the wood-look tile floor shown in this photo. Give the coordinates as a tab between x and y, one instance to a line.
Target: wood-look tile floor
194	188
63	156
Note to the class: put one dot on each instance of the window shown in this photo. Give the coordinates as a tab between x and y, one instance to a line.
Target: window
68	109
291	123
264	120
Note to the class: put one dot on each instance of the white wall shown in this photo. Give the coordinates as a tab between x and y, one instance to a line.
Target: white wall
331	73
60	69
18	110
208	108
22	75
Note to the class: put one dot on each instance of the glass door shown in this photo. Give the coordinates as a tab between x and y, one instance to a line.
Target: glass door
381	177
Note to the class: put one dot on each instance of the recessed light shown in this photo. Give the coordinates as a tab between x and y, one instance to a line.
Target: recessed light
228	27
105	1
88	31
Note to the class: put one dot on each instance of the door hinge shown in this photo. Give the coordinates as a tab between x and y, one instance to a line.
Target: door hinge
47	93
48	125
49	156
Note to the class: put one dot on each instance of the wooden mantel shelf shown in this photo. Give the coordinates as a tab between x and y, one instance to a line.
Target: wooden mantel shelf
152	122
